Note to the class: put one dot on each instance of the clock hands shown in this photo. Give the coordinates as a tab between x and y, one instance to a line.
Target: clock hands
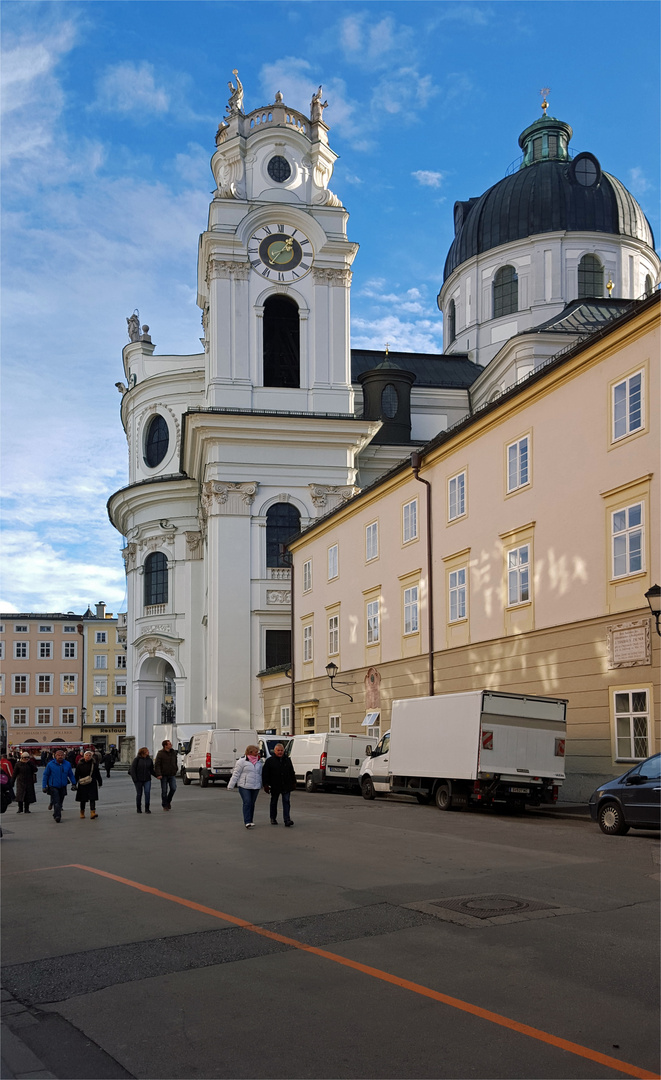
286	246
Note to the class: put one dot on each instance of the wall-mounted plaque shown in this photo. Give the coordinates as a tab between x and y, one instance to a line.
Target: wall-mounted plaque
629	644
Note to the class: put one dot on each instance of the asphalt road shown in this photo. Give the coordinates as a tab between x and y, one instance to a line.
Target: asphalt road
339	948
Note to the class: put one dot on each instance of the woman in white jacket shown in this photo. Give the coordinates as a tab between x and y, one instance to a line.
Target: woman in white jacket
247	776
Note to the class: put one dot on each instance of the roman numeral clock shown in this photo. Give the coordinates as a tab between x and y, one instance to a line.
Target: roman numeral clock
280	253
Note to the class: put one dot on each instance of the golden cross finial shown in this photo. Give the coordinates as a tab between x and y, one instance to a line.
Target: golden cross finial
610	285
387	347
544	91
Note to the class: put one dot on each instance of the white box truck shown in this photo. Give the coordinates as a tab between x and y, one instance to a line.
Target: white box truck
213	753
328	759
478	747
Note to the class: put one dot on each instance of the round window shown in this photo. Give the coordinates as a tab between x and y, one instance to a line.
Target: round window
389	401
279	169
156	441
586	170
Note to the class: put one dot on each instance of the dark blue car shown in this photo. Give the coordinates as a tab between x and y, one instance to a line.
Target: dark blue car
631	801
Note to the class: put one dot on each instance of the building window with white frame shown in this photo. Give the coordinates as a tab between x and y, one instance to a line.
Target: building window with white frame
333	635
2	650
44	716
120	687
68	716
120	661
373	622
457	496
44	684
46	628
2	685
21	628
19	716
632	724
373	726
20	684
100	637
307	644
518	575
99	716
335	724
68	629
69	684
307	575
21	650
371	541
410	521
333	562
457	594
101	661
627	534
69	650
518	464
628	406
120	715
411	610
100	687
285	719
45	650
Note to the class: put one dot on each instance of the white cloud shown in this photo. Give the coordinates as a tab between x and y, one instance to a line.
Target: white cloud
403	93
428	178
298	81
48	579
638	182
406	336
131	88
374	43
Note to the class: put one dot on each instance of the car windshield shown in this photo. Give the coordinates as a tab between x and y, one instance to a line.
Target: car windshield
651	768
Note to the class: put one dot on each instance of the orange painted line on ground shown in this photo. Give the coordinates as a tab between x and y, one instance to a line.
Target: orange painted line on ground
394	980
37	869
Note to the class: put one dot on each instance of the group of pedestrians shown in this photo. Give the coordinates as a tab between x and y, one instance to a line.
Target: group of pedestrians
164	768
276	775
78	768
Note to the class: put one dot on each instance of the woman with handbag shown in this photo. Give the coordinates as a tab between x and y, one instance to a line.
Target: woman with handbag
88	782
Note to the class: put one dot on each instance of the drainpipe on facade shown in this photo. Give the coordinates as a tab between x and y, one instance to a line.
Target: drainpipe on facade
416	462
292	721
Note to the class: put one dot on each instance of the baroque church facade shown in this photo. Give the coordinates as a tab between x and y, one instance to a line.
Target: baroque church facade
234	450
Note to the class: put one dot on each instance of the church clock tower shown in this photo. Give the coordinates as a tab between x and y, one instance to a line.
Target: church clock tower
274	267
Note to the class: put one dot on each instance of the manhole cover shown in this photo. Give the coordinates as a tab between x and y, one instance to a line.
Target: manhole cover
490	907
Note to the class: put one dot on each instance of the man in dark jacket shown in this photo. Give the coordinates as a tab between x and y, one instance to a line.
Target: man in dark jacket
279	778
108	762
166	767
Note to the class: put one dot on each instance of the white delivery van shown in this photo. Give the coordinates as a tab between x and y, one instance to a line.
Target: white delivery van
482	747
267	742
179	735
213	753
329	759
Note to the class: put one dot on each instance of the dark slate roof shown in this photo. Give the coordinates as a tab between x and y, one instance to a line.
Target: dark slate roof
430	369
581	317
543	196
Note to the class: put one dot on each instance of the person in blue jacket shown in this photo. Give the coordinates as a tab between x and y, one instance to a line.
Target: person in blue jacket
57	774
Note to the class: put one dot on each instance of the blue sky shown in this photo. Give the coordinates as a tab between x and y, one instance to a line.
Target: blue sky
109	116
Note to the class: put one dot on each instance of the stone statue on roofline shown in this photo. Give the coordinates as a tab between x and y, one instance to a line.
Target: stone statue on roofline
235	103
317	107
133	326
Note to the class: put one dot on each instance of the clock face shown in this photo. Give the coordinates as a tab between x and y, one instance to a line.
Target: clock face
280	253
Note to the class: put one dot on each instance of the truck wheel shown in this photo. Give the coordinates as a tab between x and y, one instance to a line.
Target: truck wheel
204	779
185	777
367	788
611	820
443	798
309	786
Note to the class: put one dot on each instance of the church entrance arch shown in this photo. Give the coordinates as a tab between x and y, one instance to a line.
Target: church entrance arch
156	686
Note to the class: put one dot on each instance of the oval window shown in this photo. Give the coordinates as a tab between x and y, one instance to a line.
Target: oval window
389	401
279	169
156	442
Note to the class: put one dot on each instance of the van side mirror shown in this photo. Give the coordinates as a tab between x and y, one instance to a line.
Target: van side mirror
368	751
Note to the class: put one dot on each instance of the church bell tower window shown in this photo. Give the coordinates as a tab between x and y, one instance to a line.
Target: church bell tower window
283	521
282	349
590	277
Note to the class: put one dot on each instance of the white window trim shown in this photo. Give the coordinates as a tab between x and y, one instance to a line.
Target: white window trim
517	570
308	644
333	562
2	650
120	662
20	723
20	675
99	679
46	709
97	712
458	589
117	709
337	728
48	653
333	632
626	383
101	637
455	480
44	675
21	645
68	675
626	533
67	645
72	709
519	483
285	719
414	534
45	628
371	541
413	605
373	622
307	575
98	662
630	714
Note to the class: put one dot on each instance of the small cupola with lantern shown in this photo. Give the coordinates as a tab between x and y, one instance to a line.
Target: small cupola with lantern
387	397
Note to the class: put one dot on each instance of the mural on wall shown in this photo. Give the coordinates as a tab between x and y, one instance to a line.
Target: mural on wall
372	690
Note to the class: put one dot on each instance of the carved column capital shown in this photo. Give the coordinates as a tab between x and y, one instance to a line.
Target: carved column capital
331	276
224	268
194	545
223	498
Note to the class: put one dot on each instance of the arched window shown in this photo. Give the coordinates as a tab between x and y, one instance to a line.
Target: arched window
590	277
648	285
282	522
156	441
505	292
452	322
282	349
156	579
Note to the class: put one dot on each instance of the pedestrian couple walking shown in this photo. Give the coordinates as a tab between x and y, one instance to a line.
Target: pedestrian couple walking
276	775
85	782
164	768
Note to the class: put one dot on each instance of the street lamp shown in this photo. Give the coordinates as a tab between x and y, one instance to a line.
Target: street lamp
653	597
331	671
